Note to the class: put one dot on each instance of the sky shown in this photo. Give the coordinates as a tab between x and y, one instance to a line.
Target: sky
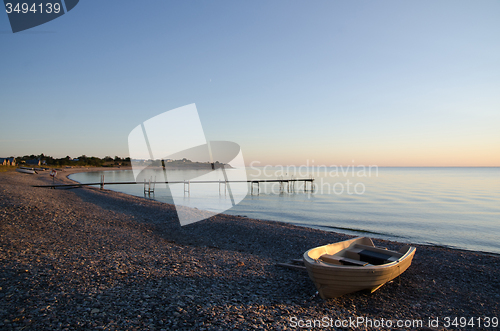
387	83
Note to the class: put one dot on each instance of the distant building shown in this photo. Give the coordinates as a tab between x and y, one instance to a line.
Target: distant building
33	162
9	161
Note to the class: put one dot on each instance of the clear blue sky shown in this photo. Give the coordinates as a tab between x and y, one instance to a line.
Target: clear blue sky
377	82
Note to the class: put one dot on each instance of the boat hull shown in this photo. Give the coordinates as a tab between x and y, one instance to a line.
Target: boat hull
26	171
336	280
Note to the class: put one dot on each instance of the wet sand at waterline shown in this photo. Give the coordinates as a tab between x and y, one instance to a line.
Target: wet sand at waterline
86	259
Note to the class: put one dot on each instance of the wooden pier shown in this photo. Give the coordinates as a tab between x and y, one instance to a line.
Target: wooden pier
285	184
288	183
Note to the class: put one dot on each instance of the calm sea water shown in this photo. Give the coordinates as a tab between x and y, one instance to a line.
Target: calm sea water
454	207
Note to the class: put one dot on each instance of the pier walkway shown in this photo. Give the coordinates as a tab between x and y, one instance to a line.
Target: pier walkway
285	184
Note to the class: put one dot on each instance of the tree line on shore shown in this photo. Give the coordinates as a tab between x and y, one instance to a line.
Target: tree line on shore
82	160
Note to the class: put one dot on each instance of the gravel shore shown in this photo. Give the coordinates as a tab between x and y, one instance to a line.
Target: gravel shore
101	260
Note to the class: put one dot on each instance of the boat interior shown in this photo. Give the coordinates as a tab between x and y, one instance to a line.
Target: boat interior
363	255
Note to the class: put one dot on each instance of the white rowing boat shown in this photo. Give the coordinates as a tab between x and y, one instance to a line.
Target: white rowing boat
354	265
26	170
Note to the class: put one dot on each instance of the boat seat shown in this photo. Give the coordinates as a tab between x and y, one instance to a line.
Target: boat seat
372	255
359	247
340	260
375	258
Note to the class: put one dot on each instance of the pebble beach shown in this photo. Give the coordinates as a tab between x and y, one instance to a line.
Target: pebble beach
90	259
